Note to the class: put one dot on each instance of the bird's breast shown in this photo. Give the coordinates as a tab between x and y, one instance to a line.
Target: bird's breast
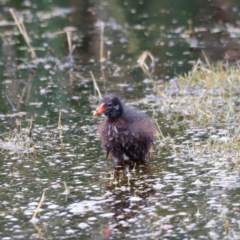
112	130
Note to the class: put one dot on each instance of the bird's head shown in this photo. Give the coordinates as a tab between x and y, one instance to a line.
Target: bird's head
110	106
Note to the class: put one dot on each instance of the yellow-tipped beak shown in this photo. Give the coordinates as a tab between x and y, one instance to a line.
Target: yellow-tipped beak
99	110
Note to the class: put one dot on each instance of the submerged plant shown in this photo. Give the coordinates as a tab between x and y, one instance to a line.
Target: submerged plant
18	140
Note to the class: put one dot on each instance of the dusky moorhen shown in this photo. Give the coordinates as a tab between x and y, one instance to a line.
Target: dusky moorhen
126	134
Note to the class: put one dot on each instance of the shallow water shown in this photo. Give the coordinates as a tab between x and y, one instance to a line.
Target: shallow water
186	191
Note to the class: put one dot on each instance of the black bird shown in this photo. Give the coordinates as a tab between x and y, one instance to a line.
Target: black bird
126	134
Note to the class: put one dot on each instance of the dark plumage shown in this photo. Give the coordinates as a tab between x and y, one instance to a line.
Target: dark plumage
126	134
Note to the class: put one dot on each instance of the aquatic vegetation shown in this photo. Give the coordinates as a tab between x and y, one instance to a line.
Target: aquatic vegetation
206	94
205	103
18	140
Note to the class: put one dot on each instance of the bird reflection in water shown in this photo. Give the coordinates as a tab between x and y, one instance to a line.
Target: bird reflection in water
129	189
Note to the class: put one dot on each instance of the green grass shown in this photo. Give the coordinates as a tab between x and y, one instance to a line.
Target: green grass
204	100
206	94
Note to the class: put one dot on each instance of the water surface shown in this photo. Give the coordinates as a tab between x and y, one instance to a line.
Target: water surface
180	194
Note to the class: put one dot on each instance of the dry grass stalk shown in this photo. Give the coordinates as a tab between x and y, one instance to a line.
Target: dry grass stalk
10	102
226	227
31	126
142	62
101	26
71	47
38	207
108	55
39	231
60	129
26	91
59	120
96	85
66	192
146	69
23	31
